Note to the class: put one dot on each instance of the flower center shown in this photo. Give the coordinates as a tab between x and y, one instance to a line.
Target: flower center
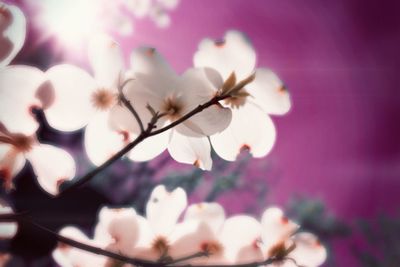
161	245
172	108
211	247
20	142
237	100
103	99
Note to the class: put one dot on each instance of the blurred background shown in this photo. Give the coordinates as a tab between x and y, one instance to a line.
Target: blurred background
335	167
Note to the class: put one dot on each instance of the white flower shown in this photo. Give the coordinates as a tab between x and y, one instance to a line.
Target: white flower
82	100
116	231
156	84
278	235
12	32
251	129
7	229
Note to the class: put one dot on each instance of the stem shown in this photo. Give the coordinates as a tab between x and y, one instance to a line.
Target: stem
20	218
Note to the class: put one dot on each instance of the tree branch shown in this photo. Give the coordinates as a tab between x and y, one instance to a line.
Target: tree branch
22	219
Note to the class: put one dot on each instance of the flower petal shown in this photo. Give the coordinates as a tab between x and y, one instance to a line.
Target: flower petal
118	226
308	251
139	8
234	53
276	228
51	165
238	233
12	32
11	163
197	87
72	107
150	148
102	142
9	229
250	129
164	208
269	92
212	214
191	150
18	97
106	59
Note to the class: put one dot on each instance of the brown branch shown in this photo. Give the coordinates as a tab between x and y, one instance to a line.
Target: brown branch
22	219
148	132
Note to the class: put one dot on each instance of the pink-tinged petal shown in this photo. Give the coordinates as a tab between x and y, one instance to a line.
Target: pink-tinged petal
12	32
234	53
73	105
164	208
309	251
67	256
153	71
146	234
197	87
11	163
191	150
169	4
150	148
269	92
250	130
139	8
119	227
238	233
106	59
18	88
276	228
9	229
52	166
212	214
102	142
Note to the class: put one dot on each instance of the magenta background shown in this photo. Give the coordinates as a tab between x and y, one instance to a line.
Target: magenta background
340	60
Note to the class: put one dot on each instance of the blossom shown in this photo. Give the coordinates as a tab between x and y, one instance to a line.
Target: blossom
12	32
7	229
251	129
82	100
155	84
161	236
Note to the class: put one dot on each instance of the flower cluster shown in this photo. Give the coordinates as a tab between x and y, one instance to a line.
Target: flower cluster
105	100
204	231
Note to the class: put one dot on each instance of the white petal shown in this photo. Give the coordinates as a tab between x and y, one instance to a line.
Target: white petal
233	54
212	214
102	142
12	32
52	166
164	208
197	87
276	228
150	148
73	106
241	232
250	129
309	251
147	62
160	16
191	150
146	234
9	229
118	226
169	4
268	92
11	163
106	59
18	88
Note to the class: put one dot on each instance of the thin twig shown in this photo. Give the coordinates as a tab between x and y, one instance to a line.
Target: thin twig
128	104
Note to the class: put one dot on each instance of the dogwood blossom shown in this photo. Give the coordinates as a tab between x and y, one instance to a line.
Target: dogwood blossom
251	129
82	100
161	236
155	84
9	229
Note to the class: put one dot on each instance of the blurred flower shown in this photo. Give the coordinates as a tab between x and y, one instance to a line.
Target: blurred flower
9	229
12	32
157	86
160	237
251	129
